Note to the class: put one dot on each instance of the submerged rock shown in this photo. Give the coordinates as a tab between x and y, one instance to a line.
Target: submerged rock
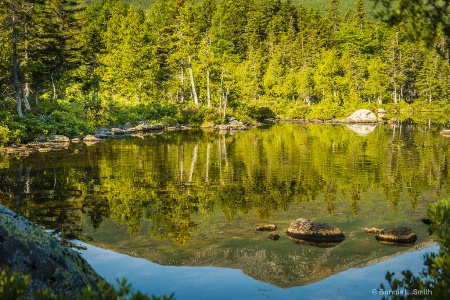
310	231
28	249
394	235
90	138
268	227
274	236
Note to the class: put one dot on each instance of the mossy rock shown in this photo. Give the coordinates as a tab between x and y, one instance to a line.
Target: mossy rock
28	249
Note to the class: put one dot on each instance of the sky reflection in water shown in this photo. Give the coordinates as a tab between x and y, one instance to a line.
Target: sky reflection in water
223	283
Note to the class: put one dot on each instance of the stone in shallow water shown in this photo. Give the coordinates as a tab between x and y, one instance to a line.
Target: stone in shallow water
268	227
396	235
316	232
274	236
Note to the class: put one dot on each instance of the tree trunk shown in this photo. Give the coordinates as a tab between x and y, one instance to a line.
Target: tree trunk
191	77
95	86
225	101
25	99
182	84
208	87
27	91
54	87
15	63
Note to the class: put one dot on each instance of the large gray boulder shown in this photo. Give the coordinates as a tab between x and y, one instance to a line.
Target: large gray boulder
362	116
30	250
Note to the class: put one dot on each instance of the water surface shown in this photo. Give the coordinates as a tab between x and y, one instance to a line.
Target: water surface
193	198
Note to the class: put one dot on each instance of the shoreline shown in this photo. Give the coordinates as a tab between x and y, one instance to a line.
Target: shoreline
61	142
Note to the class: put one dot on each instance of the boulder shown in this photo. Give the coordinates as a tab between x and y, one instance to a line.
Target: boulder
310	231
41	139
59	139
90	138
127	126
362	116
394	235
30	250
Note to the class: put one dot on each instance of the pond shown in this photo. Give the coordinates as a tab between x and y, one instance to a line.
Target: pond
193	198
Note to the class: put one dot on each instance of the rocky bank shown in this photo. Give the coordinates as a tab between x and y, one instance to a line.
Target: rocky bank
28	249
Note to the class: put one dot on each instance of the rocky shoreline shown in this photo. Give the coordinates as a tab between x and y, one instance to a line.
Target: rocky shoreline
60	142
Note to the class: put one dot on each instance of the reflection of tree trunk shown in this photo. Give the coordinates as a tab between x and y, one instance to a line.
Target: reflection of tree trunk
54	182
182	163
224	151
19	178
219	144
194	159
26	186
208	150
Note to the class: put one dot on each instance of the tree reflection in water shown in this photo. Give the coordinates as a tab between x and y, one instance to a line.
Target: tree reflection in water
170	180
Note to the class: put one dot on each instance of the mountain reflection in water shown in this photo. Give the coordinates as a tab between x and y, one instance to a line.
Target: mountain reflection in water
193	198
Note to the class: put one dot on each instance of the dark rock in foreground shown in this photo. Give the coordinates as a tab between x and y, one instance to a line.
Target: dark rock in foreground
274	236
306	231
394	235
28	249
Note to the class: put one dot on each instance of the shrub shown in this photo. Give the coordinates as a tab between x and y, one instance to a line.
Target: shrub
4	135
435	277
14	285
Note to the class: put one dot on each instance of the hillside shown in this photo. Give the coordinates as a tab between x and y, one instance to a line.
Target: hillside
345	5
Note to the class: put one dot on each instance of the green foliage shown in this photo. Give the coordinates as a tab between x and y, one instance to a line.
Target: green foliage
4	135
435	277
258	113
210	115
14	285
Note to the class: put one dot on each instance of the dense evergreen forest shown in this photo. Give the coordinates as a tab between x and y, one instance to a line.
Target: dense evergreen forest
69	66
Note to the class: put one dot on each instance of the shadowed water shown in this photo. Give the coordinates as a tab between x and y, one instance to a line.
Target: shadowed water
193	198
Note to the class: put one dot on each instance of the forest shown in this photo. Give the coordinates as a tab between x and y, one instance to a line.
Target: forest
70	66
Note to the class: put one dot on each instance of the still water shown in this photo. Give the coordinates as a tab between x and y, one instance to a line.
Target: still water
193	198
